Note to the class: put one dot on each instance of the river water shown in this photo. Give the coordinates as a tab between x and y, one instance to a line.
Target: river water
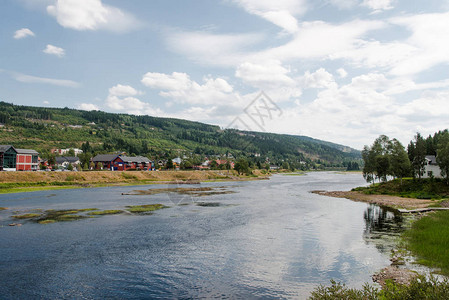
263	239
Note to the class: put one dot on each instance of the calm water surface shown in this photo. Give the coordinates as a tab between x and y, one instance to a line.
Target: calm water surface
268	239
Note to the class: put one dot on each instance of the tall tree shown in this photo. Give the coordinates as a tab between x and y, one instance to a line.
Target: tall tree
400	163
443	156
419	155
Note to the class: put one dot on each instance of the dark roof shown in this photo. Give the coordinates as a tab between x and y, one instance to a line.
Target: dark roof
432	159
4	148
104	157
27	151
70	159
135	159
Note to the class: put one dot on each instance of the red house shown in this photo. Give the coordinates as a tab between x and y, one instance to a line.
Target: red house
123	163
27	160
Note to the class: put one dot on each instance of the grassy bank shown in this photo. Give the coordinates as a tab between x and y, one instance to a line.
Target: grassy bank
434	189
428	239
13	182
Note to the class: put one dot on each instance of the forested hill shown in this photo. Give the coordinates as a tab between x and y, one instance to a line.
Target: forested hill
45	128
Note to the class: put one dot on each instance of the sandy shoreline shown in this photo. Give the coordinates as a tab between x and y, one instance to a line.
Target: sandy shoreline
383	200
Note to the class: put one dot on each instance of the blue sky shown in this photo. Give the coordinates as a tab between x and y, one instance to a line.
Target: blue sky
344	71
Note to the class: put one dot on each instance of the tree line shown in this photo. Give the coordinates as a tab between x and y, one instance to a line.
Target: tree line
388	158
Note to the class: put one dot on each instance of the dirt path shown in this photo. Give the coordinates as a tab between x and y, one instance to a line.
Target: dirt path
384	200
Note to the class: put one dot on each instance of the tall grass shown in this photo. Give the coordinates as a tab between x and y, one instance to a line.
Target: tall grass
428	238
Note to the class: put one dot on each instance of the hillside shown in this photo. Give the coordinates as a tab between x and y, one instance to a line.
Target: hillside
45	128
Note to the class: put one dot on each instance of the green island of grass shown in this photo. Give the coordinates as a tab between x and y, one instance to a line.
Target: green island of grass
105	212
26	216
145	208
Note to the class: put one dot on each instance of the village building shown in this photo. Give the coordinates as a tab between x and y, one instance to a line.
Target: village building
27	160
63	162
119	162
8	156
65	151
104	161
431	167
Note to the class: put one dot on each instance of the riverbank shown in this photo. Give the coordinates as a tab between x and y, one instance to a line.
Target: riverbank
382	200
425	238
16	182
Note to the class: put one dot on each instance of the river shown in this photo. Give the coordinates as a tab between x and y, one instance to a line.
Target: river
260	239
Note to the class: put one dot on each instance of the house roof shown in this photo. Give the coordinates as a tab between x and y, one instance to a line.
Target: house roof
135	159
27	151
104	157
431	159
177	160
69	159
4	148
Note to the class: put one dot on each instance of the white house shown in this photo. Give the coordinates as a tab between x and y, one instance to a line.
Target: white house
431	167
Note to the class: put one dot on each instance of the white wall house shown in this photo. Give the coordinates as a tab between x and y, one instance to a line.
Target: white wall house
431	167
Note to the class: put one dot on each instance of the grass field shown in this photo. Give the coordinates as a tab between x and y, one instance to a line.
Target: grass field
434	189
429	240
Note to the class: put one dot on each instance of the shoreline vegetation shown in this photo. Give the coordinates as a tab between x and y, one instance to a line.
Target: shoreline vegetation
17	182
426	239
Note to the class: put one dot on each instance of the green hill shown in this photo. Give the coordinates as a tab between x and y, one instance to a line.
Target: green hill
45	128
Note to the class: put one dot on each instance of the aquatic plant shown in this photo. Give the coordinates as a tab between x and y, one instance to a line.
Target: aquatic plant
26	216
145	208
105	212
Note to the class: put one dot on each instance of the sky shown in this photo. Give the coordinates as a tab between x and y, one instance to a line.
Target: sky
344	71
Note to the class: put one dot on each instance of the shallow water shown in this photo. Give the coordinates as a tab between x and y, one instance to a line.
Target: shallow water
267	239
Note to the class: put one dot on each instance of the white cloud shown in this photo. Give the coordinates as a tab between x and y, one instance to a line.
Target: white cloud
46	102
212	49
53	50
319	39
280	12
265	75
121	98
342	73
429	42
91	15
23	33
179	87
378	5
120	90
428	107
319	79
33	79
88	106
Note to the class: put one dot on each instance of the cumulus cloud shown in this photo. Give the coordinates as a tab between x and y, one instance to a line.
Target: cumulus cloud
212	49
122	98
427	38
378	5
23	33
264	75
91	15
34	79
319	39
53	50
342	73
318	79
88	106
179	87
281	12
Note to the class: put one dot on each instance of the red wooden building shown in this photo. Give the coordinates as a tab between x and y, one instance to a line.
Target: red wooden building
27	160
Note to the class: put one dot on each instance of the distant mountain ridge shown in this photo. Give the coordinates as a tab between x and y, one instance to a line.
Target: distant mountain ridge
44	128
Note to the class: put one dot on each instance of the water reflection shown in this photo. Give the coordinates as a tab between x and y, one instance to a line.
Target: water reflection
383	226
